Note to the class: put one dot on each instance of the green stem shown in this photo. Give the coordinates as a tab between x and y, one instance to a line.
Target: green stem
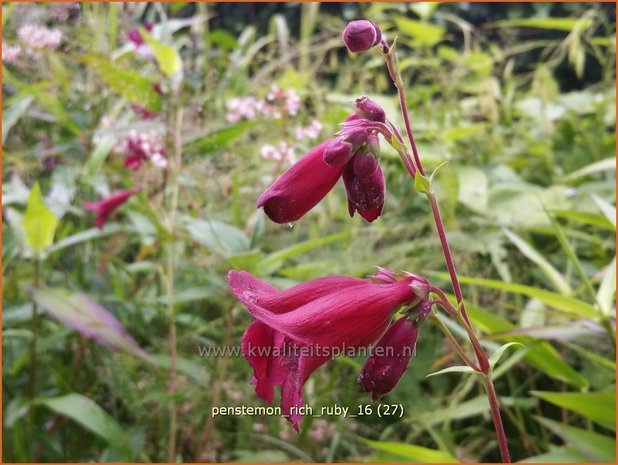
447	332
33	358
175	166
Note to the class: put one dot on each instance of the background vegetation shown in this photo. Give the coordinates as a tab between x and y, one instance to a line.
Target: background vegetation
519	98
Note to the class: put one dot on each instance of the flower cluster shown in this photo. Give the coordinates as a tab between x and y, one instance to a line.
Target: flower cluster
11	53
140	147
281	101
334	312
35	36
243	108
137	42
353	155
278	102
284	152
310	132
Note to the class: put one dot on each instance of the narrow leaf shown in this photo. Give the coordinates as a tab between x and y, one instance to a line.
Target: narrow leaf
14	112
411	452
561	302
454	369
554	276
594	446
495	357
89	318
167	57
127	82
91	416
600	407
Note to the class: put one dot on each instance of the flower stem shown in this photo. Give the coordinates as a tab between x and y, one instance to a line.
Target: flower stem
33	358
447	332
495	414
462	315
176	164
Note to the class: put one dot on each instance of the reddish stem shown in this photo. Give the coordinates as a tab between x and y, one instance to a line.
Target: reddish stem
450	264
495	414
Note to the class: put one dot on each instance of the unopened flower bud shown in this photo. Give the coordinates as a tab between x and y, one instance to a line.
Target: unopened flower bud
338	152
389	361
361	35
365	165
368	109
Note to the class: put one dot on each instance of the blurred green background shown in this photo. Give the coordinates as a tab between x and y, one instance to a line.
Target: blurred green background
518	98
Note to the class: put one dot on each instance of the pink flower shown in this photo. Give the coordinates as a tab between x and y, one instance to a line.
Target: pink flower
35	36
140	148
11	53
105	207
301	328
135	36
300	188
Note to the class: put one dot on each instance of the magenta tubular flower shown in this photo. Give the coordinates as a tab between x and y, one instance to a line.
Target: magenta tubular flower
299	329
365	194
360	36
301	187
390	358
105	207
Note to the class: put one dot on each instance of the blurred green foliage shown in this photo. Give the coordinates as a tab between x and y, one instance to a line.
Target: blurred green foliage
518	98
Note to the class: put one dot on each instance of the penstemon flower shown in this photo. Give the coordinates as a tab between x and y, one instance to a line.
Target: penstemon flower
299	329
353	155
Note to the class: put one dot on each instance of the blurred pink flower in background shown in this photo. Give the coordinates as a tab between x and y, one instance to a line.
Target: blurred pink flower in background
36	36
283	152
278	102
242	108
140	148
286	101
140	47
11	53
310	132
105	207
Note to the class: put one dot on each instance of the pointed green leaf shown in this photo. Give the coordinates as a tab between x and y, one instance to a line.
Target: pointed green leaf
600	407
607	289
455	369
594	446
39	221
556	278
91	416
127	82
410	452
553	299
495	357
608	210
13	112
422	184
167	57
